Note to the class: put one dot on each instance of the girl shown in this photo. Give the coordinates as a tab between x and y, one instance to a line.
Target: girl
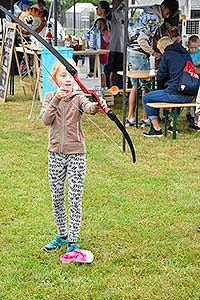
105	40
66	155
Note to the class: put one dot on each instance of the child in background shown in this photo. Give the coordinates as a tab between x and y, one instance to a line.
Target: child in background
193	48
194	51
66	155
105	40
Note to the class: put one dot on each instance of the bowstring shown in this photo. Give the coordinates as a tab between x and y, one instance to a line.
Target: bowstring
86	115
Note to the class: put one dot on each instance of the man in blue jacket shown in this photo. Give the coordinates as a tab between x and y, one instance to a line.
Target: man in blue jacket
140	46
170	70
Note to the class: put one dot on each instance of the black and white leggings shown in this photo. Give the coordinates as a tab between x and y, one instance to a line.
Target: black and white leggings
72	166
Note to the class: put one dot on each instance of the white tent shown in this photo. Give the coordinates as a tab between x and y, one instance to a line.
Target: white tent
84	14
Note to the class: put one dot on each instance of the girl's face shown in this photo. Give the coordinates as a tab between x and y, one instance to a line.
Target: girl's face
64	79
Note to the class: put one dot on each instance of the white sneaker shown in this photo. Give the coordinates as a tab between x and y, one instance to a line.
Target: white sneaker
130	122
145	123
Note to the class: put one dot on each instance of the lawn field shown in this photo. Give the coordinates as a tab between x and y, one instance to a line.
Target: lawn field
140	220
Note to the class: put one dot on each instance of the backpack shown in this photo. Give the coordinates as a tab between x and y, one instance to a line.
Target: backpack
189	81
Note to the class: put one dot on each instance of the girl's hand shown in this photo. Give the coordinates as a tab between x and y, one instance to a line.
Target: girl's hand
103	102
96	105
60	94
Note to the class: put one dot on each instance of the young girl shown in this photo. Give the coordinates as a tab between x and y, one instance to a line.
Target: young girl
66	155
105	40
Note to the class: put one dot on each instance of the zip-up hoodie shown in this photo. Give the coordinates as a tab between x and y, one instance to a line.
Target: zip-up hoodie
141	37
64	121
171	67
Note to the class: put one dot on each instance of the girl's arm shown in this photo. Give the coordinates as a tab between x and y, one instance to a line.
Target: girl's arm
49	107
90	107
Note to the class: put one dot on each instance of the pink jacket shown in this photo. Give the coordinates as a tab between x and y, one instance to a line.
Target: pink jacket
64	121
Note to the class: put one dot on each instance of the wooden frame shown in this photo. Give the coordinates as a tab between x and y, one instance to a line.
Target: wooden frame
6	58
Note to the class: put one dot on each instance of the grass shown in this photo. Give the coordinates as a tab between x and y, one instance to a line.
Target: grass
139	220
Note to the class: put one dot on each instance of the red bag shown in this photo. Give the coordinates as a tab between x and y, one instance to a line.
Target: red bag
189	81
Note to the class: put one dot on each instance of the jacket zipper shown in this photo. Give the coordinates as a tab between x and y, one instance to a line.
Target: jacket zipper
62	127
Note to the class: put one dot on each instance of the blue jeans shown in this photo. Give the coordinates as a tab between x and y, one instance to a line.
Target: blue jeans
162	96
138	61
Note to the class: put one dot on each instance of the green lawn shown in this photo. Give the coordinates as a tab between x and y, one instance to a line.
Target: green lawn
139	219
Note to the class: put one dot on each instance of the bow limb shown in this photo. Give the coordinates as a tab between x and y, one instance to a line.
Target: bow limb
74	73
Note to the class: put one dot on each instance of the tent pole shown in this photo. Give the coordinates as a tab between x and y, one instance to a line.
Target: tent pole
74	17
55	10
124	71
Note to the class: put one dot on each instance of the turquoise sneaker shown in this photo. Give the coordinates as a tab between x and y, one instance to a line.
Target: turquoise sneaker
56	243
72	246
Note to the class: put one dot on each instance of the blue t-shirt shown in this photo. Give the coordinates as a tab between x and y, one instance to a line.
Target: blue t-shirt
195	56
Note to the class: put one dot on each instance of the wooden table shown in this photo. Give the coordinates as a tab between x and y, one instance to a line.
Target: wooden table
139	74
87	52
97	54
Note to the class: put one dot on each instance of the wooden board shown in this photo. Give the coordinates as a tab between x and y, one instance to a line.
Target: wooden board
6	58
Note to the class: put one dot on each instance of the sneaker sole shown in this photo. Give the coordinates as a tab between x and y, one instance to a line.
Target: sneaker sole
158	136
129	125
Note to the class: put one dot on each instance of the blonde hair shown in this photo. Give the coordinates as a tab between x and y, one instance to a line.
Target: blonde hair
164	42
57	66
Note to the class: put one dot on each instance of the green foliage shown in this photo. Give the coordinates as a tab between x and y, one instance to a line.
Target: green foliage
139	219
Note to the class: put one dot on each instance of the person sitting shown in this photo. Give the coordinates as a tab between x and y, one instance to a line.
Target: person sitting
170	70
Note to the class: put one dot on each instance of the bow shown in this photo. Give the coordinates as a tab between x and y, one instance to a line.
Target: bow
74	73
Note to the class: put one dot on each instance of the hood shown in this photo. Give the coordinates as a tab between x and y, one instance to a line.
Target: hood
74	93
155	9
176	47
71	96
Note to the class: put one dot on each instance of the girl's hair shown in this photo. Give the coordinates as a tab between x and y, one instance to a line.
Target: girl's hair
105	5
103	22
164	42
57	66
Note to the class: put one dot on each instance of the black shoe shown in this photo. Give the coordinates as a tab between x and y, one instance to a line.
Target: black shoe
195	127
170	129
190	118
153	133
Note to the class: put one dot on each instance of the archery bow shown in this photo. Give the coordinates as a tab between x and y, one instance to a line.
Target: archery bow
74	73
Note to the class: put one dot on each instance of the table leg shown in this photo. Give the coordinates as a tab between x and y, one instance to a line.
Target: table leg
174	123
165	121
98	66
136	102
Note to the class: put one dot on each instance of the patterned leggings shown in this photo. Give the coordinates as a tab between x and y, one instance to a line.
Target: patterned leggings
72	166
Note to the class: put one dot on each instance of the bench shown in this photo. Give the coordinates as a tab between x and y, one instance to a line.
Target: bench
172	109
